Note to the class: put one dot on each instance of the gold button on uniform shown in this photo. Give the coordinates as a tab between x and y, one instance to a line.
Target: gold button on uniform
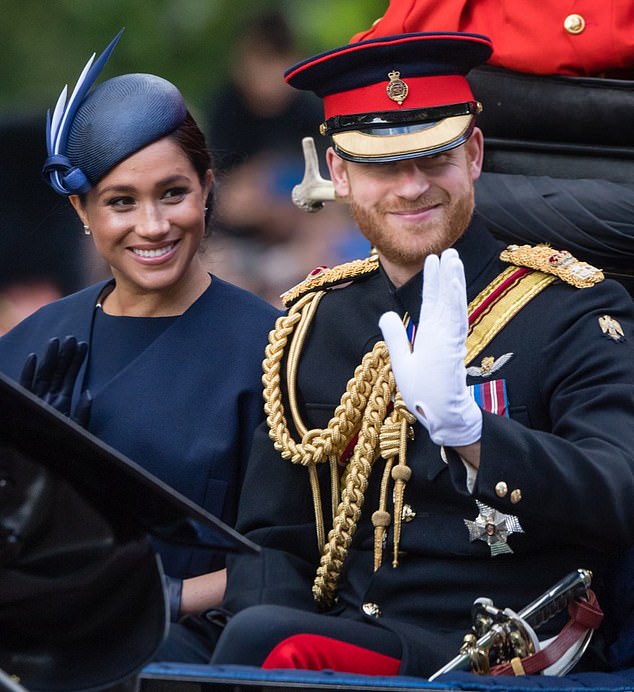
501	489
574	23
516	496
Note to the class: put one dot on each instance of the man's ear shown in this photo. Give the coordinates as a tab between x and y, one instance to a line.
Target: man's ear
474	149
338	173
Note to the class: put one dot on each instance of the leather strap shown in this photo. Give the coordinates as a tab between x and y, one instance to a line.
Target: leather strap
584	615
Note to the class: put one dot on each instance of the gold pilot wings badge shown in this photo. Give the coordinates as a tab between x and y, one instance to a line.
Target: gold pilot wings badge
489	365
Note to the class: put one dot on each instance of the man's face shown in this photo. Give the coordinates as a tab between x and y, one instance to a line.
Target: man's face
412	208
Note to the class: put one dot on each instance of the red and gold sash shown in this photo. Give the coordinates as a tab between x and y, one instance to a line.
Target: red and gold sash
499	302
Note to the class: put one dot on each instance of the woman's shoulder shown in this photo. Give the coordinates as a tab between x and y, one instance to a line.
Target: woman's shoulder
243	299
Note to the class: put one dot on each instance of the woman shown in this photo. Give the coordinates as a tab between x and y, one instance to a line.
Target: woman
174	354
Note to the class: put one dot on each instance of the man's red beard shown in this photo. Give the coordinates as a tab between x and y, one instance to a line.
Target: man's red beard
440	234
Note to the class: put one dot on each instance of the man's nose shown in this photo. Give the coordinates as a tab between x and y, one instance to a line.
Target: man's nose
413	179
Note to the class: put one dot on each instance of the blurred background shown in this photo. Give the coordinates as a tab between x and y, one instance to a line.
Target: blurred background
228	58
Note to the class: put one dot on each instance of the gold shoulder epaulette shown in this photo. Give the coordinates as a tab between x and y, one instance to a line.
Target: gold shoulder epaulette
326	277
558	262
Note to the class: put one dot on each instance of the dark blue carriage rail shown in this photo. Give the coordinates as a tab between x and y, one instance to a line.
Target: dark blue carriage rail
177	677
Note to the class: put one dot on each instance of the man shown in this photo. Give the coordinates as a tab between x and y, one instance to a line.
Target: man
547	175
492	464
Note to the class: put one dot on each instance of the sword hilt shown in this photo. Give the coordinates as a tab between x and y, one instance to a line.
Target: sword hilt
558	598
542	609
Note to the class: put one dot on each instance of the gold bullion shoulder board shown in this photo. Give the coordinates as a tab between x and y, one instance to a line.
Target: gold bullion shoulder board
559	263
323	278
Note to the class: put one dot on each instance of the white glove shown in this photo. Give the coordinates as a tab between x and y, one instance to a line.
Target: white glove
432	377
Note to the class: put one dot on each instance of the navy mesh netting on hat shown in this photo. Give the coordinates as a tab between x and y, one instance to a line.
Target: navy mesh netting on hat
120	117
95	131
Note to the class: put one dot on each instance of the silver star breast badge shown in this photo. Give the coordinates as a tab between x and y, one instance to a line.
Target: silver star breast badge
493	528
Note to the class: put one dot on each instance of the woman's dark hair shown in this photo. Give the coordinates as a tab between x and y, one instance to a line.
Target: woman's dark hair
191	140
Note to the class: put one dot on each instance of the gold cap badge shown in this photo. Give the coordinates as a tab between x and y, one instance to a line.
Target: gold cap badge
396	89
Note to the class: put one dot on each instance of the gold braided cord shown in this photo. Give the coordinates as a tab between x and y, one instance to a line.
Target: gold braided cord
334	491
317	445
317	507
362	412
365	453
272	393
395	432
389	441
402	472
381	519
294	353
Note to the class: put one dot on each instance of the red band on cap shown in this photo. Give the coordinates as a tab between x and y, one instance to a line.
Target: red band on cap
423	92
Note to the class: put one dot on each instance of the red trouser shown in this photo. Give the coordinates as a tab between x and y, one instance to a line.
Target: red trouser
315	652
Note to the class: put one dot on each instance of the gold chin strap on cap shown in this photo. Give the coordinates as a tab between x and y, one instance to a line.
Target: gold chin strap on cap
441	134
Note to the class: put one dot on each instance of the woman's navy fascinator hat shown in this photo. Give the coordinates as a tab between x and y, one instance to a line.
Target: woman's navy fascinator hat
95	130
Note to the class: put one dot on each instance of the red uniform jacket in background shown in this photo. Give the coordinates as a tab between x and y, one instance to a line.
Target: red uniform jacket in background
569	37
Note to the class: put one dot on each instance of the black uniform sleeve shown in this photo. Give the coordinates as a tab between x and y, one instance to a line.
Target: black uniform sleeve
275	490
574	470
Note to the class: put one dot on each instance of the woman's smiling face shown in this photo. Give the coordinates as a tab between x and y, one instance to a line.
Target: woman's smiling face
147	219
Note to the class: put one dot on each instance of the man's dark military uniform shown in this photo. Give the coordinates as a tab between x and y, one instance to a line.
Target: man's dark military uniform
559	464
554	479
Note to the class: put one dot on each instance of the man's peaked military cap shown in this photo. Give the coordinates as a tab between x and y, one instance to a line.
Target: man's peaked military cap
396	97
